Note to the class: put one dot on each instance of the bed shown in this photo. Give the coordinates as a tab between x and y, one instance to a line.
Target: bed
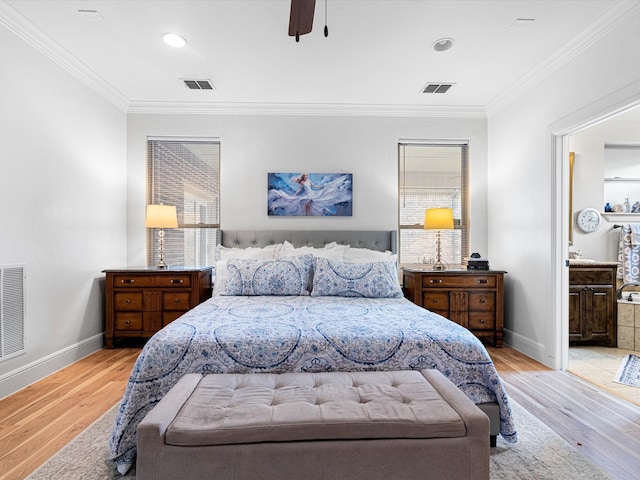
304	301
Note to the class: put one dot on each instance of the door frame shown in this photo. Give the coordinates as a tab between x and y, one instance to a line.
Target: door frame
606	108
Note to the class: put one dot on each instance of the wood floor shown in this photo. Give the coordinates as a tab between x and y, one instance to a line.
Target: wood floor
39	420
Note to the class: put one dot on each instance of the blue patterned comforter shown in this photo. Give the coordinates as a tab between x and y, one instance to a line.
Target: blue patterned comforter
303	334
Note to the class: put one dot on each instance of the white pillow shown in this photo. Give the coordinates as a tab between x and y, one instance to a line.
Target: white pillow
366	255
332	251
249	253
220	277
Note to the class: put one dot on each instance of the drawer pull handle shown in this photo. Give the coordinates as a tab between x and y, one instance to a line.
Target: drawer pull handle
176	301
127	301
435	280
173	280
127	322
483	280
127	280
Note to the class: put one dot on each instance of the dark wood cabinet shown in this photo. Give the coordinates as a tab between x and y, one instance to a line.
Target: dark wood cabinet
140	301
592	305
473	299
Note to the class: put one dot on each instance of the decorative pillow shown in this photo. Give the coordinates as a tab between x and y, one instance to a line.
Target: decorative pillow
289	276
366	255
331	250
352	279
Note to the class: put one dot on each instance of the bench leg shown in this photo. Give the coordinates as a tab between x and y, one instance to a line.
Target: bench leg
493	440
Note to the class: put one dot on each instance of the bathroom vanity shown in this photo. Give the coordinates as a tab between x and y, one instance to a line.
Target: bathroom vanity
592	304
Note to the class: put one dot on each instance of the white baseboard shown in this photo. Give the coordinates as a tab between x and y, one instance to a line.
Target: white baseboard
22	377
525	345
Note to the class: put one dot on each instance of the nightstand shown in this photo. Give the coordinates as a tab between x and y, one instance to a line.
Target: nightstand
471	298
140	301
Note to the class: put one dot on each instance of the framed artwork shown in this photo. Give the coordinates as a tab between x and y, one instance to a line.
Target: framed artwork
310	194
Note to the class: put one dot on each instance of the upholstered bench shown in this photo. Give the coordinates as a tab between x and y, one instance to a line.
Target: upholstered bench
364	425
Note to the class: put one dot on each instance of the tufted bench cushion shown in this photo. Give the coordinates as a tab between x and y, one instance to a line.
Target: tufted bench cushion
299	425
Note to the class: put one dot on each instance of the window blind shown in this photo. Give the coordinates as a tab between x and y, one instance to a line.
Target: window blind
185	173
433	174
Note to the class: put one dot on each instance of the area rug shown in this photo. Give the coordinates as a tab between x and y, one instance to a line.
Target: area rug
540	454
629	371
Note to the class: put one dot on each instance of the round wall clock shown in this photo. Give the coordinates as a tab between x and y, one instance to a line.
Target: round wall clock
589	220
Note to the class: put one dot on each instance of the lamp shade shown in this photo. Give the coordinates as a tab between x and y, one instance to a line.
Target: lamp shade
161	216
438	219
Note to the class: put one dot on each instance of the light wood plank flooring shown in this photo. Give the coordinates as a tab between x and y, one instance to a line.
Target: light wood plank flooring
39	420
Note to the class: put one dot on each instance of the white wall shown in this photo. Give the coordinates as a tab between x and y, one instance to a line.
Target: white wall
62	206
253	145
525	188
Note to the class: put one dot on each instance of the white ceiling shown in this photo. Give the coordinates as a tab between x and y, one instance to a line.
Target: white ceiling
378	54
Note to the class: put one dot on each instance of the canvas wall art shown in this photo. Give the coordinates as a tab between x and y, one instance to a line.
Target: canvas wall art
310	194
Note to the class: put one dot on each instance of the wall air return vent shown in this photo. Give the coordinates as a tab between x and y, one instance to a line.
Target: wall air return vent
198	84
12	306
437	87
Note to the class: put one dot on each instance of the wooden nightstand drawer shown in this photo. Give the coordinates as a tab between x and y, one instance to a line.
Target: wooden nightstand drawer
175	301
435	300
129	321
150	281
484	301
458	281
481	321
128	301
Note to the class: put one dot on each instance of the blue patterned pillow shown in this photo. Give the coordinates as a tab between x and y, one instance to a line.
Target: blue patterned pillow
287	276
347	279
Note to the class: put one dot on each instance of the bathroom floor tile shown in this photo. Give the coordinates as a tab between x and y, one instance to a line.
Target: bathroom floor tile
599	365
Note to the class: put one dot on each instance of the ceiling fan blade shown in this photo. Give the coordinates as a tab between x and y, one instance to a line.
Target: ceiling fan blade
301	17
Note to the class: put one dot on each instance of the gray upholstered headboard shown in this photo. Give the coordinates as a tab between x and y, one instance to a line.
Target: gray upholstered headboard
381	240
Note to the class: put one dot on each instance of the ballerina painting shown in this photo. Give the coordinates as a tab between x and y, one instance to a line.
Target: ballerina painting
310	194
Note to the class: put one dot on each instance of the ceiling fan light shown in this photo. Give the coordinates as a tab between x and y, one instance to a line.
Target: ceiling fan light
442	44
174	40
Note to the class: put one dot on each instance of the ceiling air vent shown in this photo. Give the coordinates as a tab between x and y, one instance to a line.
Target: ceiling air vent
437	87
198	84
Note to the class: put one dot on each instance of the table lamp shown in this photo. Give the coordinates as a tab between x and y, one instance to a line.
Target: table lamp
438	219
161	216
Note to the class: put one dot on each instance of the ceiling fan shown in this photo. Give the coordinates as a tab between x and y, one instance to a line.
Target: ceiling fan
301	18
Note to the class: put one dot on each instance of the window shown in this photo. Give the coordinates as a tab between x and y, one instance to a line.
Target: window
433	175
185	173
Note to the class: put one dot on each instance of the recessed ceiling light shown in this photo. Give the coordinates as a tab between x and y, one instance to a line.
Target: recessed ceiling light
174	40
442	44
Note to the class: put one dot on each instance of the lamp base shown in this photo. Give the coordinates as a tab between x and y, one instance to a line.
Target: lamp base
161	265
439	267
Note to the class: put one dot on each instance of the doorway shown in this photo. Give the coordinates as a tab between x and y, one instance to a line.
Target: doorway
587	140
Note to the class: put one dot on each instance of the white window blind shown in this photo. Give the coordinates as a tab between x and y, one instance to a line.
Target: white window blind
185	173
433	175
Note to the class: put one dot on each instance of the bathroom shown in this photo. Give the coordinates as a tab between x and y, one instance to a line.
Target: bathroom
606	178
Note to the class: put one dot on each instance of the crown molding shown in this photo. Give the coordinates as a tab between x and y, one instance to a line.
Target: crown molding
308	109
599	29
27	31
